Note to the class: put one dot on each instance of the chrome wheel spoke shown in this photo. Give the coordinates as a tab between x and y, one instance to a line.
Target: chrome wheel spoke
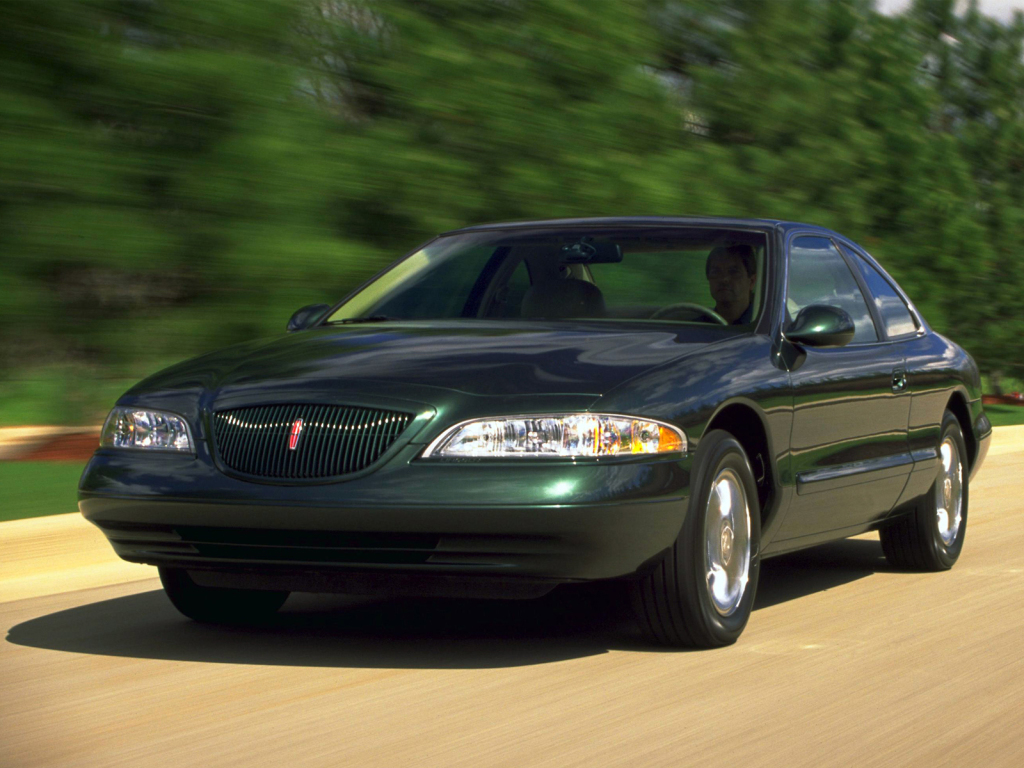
949	493
727	542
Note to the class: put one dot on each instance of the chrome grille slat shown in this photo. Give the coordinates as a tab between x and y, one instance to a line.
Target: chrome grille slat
353	438
259	434
364	429
335	440
265	433
282	460
330	438
341	449
273	449
323	438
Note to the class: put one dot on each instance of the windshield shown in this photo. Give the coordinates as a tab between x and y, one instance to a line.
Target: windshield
681	275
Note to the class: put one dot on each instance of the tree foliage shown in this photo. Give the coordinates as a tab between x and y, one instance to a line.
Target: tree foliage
176	175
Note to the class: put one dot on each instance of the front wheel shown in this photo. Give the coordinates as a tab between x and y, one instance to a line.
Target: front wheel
702	592
214	605
932	536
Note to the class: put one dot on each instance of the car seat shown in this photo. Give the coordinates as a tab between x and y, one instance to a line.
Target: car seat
563	298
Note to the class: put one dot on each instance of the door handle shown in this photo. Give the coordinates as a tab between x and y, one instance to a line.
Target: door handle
899	380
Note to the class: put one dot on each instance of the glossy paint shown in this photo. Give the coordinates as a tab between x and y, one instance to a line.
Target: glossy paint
821	326
836	446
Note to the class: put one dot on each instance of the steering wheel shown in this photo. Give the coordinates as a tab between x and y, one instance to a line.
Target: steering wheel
695	310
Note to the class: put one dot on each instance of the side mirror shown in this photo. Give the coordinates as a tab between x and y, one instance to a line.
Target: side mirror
306	316
820	325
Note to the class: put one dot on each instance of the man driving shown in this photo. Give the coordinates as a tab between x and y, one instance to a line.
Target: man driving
731	271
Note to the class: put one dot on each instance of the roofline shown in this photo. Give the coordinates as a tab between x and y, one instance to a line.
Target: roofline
635	221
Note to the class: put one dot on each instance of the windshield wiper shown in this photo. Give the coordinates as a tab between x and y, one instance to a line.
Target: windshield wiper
369	319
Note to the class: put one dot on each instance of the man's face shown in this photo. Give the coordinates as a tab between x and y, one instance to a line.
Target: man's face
729	281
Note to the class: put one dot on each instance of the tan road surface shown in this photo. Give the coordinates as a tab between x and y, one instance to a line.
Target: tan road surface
844	663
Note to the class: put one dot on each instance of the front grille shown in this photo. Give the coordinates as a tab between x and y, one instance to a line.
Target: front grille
333	440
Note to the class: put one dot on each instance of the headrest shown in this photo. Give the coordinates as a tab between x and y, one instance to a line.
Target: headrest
563	298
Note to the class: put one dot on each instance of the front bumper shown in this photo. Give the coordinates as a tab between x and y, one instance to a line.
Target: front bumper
983	433
511	529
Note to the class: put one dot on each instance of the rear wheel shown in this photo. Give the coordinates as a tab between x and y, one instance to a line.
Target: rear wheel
218	606
932	536
701	594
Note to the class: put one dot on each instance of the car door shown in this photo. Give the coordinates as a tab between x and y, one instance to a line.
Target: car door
926	388
850	455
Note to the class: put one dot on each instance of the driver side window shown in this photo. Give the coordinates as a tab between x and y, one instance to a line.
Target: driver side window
818	274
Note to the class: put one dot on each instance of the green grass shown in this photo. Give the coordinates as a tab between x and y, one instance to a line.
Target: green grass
38	488
1005	415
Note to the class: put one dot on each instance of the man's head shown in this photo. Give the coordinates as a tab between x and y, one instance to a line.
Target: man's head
732	273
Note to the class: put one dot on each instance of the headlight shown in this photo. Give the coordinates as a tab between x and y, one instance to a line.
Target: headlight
145	429
570	435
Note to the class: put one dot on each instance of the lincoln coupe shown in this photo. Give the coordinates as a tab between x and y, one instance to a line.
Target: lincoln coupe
659	401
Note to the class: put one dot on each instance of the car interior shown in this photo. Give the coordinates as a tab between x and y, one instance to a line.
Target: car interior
639	275
632	278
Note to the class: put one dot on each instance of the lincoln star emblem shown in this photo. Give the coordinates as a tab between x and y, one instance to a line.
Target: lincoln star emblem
293	438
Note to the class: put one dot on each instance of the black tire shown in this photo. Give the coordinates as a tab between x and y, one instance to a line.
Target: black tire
673	602
213	605
915	542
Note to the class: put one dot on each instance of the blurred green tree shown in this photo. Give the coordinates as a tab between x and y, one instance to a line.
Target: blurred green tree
179	175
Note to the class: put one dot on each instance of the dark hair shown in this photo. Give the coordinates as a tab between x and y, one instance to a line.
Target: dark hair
744	253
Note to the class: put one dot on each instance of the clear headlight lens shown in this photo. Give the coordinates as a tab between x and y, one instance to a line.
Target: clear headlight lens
569	435
145	429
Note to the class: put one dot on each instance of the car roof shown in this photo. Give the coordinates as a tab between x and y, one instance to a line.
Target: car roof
642	221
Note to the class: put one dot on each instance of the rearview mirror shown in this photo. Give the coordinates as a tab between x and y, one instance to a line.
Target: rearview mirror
820	325
306	316
588	251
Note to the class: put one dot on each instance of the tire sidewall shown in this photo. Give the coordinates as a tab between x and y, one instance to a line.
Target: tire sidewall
215	605
719	450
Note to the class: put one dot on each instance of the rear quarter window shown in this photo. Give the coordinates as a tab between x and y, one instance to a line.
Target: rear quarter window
896	316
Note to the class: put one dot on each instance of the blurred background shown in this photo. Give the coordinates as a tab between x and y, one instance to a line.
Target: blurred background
178	175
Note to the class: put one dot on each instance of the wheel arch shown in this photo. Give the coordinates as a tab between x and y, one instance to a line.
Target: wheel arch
748	424
959	407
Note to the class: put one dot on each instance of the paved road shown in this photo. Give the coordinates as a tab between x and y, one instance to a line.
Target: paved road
844	662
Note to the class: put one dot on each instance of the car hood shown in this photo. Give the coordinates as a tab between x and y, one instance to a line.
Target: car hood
476	358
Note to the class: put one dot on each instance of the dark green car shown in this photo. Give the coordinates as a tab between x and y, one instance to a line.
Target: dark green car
512	407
